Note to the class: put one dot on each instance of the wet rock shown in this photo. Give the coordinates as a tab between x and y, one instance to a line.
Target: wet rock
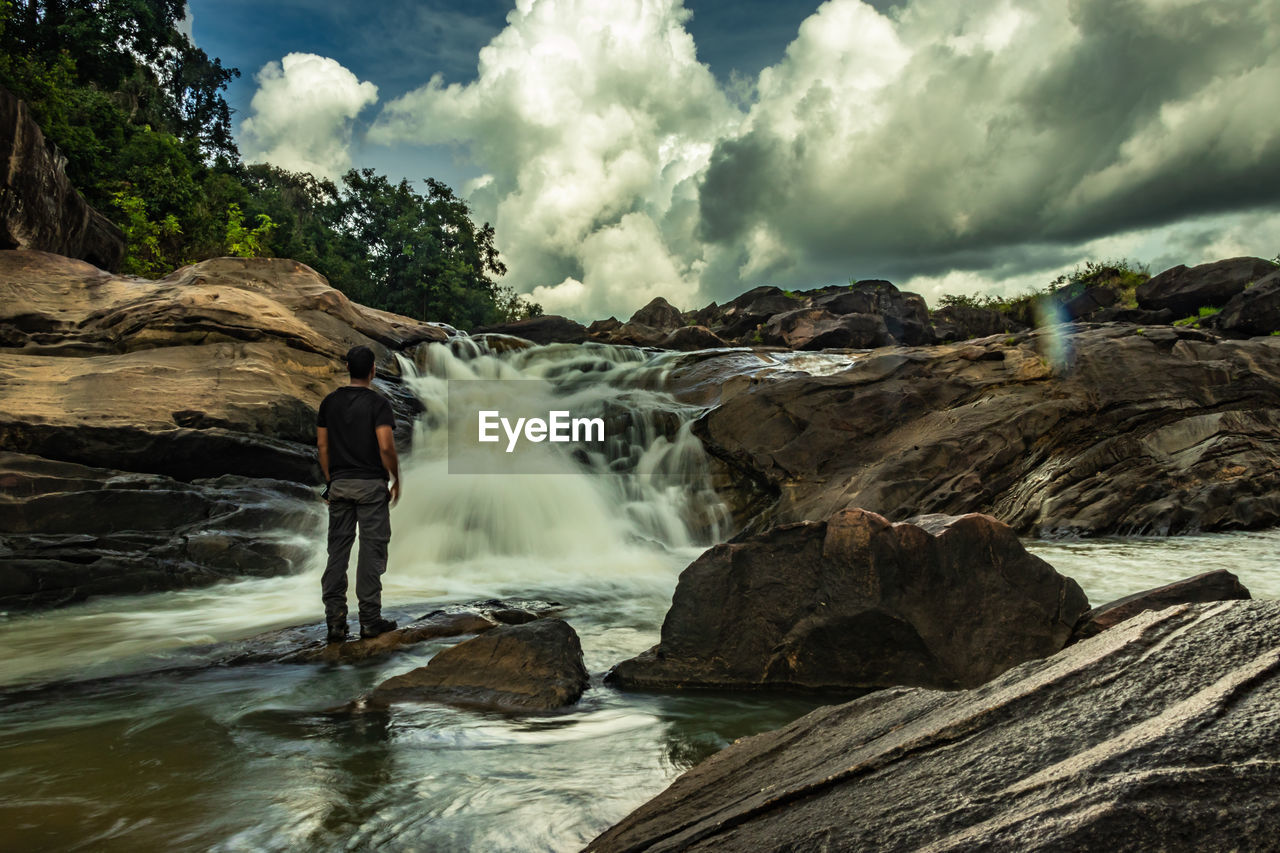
1160	734
307	643
1208	587
1184	290
1254	310
69	532
690	338
859	603
534	667
39	208
547	329
1081	431
659	314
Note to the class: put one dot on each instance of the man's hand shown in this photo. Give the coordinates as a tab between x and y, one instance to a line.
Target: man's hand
387	449
395	492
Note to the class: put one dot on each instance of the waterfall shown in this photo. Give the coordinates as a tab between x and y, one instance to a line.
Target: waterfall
604	517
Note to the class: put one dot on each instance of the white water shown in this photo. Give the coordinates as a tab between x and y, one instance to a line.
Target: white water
602	535
248	758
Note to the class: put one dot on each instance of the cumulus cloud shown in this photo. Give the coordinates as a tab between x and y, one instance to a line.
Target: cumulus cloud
954	145
593	122
303	115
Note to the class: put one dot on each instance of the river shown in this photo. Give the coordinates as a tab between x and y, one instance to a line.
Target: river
114	737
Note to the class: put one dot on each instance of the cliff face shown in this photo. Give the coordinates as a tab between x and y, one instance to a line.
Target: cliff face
39	209
155	433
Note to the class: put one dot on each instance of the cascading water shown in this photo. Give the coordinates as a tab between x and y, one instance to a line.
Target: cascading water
255	758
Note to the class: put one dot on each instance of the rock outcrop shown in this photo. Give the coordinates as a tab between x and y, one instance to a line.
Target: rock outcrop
659	314
547	329
534	667
857	603
73	531
1184	290
1066	430
1160	734
39	208
207	380
1210	586
1254	310
307	643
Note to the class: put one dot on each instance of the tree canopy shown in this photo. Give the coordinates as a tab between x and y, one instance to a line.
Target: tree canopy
138	111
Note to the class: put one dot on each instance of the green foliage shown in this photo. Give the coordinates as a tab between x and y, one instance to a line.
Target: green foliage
1202	313
138	112
150	244
247	242
1121	276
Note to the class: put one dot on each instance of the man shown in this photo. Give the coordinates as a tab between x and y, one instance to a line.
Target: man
355	435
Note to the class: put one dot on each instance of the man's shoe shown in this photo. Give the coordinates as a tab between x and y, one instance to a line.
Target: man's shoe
369	630
338	631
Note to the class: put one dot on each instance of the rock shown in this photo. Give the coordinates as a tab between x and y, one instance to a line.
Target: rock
660	314
1185	290
39	208
306	644
635	335
1134	431
1137	316
817	328
1208	587
68	532
690	338
905	315
547	329
965	322
1254	310
859	603
170	387
535	667
1160	734
1088	303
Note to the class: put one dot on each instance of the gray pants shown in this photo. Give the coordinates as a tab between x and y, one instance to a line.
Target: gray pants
365	503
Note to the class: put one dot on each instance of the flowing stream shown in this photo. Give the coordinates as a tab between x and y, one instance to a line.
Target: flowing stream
115	738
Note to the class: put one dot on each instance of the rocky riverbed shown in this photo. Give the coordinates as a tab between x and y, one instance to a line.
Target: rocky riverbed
878	474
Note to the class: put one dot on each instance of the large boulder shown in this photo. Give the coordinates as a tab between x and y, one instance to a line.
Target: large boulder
547	329
1254	310
690	338
1220	585
965	322
536	666
859	603
215	371
1080	431
1161	734
817	328
39	208
660	314
1185	290
905	315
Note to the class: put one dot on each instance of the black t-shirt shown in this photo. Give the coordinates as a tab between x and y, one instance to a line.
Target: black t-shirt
351	414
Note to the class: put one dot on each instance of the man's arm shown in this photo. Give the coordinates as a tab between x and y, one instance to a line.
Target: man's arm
390	461
322	442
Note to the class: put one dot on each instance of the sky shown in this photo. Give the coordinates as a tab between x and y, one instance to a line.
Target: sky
627	149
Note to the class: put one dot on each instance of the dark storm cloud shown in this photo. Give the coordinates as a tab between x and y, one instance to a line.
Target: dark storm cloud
1092	118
